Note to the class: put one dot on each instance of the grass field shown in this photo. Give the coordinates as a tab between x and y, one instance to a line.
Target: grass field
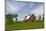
22	26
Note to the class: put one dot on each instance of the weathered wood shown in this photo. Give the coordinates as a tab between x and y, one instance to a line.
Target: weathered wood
31	19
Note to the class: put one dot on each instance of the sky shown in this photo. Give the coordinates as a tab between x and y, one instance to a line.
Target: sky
23	9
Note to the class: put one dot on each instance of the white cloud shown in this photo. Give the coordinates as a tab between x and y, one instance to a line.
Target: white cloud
13	7
10	8
38	11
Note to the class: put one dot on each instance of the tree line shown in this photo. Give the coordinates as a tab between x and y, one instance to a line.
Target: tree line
9	18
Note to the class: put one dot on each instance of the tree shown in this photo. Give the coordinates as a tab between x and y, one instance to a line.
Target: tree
39	17
15	15
9	18
43	16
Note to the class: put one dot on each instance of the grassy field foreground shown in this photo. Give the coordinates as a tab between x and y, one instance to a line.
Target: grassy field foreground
29	25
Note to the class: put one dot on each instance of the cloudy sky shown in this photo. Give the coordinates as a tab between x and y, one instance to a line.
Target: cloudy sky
24	8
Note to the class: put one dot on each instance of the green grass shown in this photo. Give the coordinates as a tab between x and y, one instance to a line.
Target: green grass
28	25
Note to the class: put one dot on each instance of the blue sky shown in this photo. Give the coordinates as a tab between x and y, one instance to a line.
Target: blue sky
23	8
